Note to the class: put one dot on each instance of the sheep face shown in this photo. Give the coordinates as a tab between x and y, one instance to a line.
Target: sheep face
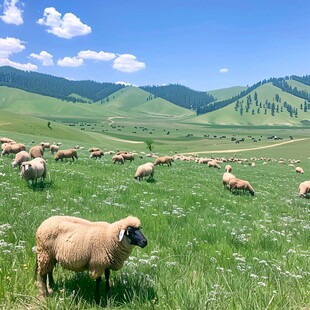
134	236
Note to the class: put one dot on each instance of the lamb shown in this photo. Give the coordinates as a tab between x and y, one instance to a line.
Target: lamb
70	153
227	176
54	148
304	189
214	164
77	245
235	183
145	170
96	154
20	157
13	148
33	169
299	170
163	160
36	151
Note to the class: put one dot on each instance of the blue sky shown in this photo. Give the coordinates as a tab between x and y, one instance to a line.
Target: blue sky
204	45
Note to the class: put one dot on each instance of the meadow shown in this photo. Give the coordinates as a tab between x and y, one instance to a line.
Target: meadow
207	247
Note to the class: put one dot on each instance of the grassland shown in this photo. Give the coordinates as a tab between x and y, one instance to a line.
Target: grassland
208	248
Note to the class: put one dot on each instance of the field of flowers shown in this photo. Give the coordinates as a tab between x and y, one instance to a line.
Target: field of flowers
207	248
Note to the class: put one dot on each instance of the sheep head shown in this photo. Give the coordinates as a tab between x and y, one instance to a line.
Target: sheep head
134	236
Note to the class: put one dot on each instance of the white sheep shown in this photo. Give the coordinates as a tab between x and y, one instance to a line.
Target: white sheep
235	183
54	148
228	168
77	245
36	151
33	169
304	189
227	176
145	170
214	164
13	148
299	170
20	157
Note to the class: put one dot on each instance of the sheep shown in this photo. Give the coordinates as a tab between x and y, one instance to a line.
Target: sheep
227	176
304	189
36	151
145	170
96	154
20	157
240	184
13	148
78	244
163	160
299	170
54	148
33	169
228	168
118	159
214	164
128	156
70	153
6	140
45	145
93	149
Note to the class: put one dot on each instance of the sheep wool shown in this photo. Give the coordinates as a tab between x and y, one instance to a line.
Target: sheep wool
145	170
78	244
20	157
33	169
227	176
36	151
304	188
163	160
240	185
70	153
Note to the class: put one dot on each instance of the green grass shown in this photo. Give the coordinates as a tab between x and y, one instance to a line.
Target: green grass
208	248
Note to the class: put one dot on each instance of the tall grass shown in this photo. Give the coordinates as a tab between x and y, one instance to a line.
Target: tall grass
208	248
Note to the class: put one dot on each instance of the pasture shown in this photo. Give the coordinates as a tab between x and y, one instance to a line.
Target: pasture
207	248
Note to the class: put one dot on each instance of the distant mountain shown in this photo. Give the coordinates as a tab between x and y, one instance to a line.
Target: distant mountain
57	87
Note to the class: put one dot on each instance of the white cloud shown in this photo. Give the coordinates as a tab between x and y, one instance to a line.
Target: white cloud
11	13
67	27
70	62
44	57
9	46
128	63
223	70
104	56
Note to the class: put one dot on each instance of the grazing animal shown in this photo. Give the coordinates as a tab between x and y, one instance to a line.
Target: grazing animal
118	159
214	164
93	149
36	151
33	169
6	140
70	153
145	170
228	168
128	156
235	183
304	189
227	176
163	160
13	148
96	154
299	170
45	145
20	157
54	148
77	245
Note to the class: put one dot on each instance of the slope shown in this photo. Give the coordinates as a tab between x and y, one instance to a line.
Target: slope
226	93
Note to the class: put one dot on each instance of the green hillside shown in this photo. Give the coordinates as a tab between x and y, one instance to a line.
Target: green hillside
298	85
225	93
256	115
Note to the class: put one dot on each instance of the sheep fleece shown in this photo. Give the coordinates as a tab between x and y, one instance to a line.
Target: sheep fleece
78	244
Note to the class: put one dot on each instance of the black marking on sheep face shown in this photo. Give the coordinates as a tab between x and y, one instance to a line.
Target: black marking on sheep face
136	237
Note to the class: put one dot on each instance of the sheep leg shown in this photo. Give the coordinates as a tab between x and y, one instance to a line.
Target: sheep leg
51	279
44	285
107	278
97	290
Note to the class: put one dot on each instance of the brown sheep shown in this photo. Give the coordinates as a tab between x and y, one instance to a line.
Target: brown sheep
36	151
118	159
299	170
13	149
227	176
6	140
162	160
45	145
93	149
70	153
240	184
96	154
214	164
20	157
228	168
128	156
304	189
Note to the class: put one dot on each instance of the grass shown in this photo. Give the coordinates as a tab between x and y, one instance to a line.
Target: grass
208	248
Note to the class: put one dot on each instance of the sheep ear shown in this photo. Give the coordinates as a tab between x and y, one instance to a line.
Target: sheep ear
121	235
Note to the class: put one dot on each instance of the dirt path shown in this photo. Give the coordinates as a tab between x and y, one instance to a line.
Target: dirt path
249	149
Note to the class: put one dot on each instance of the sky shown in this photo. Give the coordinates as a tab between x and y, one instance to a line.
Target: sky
202	44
